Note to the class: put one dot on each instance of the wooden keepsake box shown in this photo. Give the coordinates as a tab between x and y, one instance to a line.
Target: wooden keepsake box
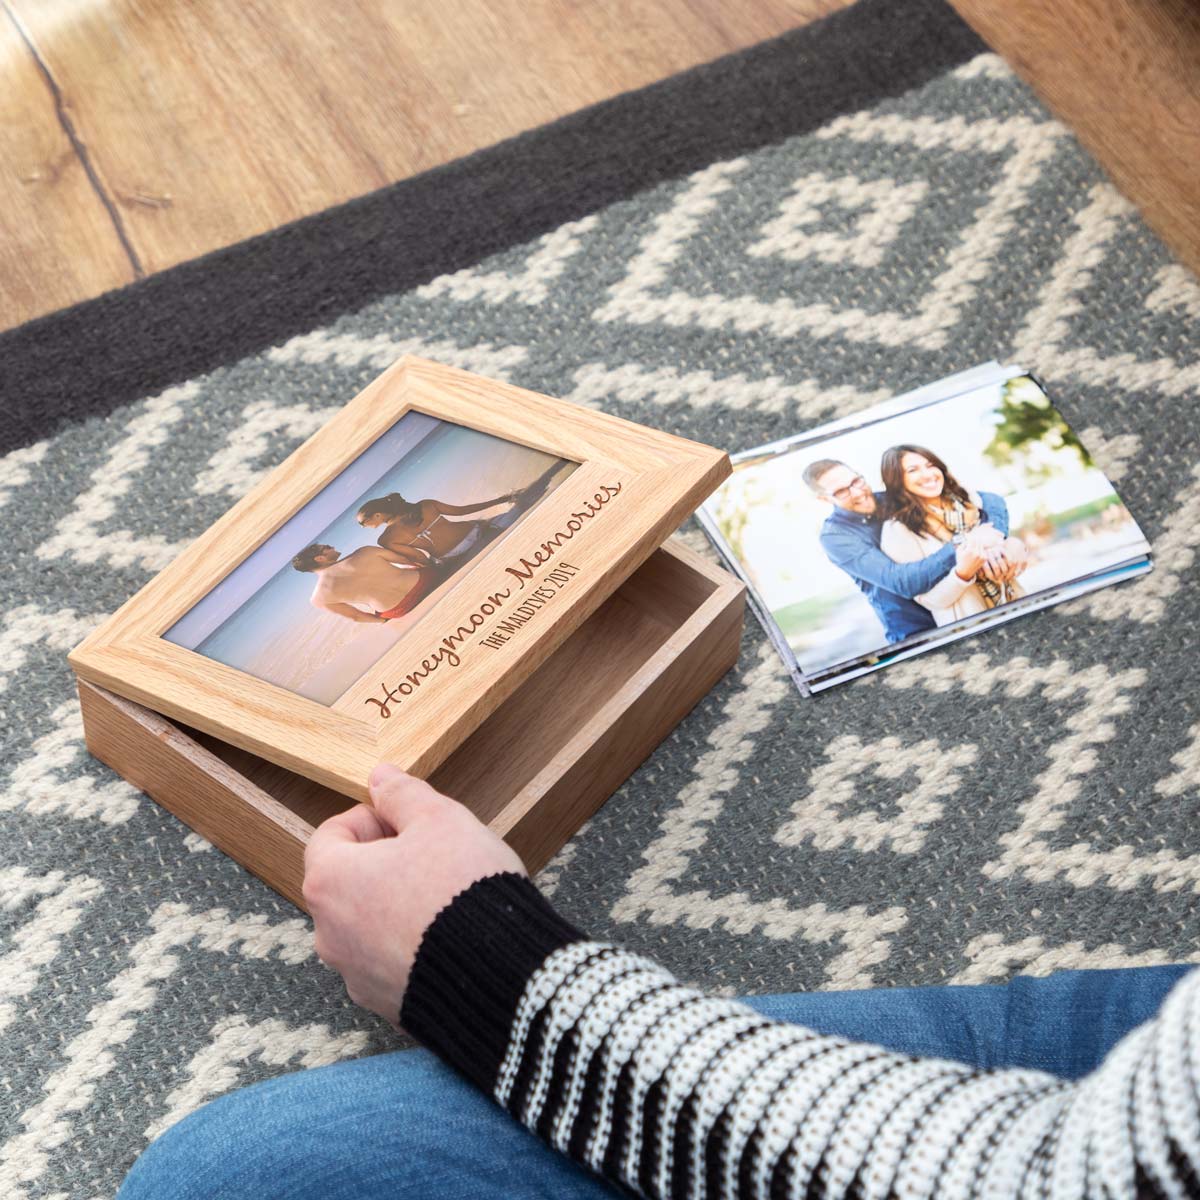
455	575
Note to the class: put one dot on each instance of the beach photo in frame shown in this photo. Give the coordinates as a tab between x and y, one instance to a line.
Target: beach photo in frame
380	544
386	587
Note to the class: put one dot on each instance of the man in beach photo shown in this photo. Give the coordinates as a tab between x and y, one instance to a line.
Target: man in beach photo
370	584
850	539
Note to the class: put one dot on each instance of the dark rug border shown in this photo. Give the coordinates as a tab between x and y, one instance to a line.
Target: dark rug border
90	359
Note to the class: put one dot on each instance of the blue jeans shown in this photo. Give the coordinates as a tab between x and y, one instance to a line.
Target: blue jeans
403	1125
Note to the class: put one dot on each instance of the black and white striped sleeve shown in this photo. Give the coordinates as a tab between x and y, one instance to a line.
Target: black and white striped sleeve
672	1093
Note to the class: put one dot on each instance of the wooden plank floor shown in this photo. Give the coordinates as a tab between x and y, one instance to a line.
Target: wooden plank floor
1125	76
57	242
136	134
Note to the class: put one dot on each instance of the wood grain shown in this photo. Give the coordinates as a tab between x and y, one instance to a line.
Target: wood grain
655	481
1125	76
57	241
209	123
534	771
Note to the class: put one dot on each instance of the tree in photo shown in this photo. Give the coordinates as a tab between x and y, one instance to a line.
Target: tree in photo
1032	436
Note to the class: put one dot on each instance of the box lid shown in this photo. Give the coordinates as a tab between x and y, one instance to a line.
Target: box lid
381	592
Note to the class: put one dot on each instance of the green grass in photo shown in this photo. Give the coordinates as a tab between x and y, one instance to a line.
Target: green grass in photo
805	616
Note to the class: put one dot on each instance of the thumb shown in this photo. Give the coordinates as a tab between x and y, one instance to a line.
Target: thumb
400	798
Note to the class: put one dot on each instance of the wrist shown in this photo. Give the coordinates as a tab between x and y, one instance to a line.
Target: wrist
471	969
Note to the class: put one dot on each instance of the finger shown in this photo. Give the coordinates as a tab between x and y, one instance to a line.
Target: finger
400	798
358	824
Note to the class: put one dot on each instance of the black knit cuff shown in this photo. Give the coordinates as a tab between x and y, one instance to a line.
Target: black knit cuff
472	966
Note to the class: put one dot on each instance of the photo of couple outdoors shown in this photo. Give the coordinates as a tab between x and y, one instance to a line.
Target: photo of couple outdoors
335	588
925	551
905	528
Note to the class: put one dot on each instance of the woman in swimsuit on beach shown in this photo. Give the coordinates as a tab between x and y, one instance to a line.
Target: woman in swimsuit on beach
428	525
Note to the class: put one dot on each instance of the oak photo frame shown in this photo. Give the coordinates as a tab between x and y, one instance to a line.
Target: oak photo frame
631	489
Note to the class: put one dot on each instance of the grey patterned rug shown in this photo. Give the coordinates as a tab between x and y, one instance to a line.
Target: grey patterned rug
1016	802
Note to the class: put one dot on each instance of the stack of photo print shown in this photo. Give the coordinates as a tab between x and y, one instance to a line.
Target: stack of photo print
929	517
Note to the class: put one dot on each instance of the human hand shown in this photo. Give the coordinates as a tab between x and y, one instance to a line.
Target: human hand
1017	554
996	567
984	537
967	561
972	554
377	875
1006	561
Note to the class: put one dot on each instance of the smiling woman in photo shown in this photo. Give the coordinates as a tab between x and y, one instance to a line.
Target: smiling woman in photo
926	507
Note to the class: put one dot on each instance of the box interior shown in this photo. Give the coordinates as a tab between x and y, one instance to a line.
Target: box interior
500	759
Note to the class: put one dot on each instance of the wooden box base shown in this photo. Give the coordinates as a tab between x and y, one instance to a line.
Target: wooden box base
534	771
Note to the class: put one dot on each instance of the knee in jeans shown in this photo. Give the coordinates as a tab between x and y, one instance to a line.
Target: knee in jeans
220	1150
